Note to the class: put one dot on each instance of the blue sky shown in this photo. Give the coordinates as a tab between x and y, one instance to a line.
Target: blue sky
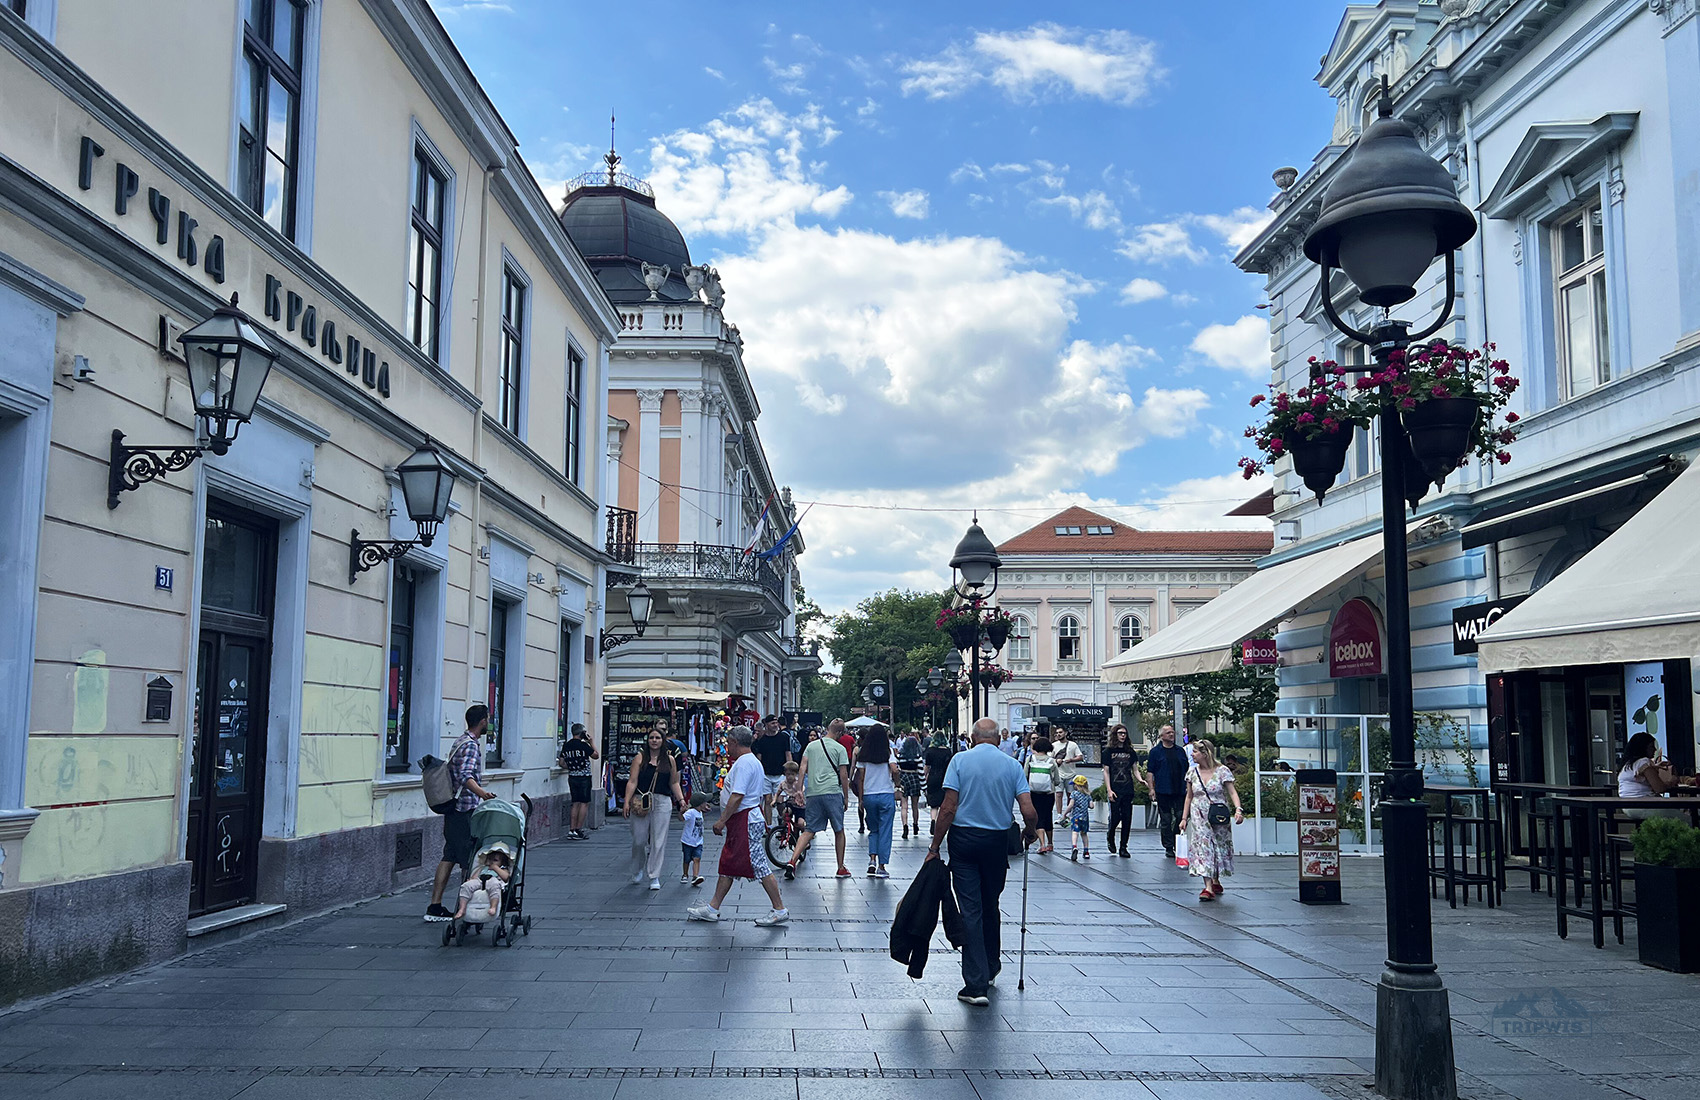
979	257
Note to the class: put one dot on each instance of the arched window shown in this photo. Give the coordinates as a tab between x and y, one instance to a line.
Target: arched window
1128	633
1068	638
1021	640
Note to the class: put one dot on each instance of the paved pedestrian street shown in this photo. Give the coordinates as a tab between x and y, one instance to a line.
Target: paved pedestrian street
1134	989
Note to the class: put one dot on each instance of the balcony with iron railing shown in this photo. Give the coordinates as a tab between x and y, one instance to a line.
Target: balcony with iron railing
801	656
695	561
726	581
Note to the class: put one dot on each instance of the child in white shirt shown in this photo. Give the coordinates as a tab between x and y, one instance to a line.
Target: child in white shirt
481	895
691	840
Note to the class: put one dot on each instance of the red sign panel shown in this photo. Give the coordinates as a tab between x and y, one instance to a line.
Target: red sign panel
1354	641
1257	651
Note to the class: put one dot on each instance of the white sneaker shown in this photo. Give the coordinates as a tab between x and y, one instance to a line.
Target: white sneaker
777	916
655	884
703	912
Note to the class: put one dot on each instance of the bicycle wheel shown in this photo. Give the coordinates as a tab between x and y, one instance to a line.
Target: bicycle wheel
780	844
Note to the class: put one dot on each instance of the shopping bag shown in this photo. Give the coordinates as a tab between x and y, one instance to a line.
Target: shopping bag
1180	850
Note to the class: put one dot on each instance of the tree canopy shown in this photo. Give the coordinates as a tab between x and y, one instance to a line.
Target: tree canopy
889	636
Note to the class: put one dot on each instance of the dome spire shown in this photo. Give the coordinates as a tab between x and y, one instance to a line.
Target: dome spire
612	160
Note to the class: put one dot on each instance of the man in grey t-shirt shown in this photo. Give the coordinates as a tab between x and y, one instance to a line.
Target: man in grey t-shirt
826	771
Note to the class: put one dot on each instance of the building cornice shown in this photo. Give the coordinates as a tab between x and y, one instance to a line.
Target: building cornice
423	44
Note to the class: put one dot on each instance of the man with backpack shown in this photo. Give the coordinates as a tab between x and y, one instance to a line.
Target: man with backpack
466	770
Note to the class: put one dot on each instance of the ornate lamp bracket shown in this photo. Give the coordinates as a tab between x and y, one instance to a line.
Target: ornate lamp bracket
133	467
363	555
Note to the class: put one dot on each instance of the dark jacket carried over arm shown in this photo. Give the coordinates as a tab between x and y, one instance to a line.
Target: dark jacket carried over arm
918	914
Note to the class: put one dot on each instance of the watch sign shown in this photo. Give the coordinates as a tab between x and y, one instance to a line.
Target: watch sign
1354	641
1471	619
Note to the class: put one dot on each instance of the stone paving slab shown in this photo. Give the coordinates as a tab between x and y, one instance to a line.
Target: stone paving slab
1130	982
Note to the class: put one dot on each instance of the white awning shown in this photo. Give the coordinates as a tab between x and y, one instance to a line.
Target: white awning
1204	640
1634	597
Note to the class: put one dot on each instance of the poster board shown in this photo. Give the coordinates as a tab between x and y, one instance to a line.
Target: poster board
1319	835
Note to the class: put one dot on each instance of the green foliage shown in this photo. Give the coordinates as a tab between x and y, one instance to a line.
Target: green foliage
1441	736
889	636
1280	798
1100	793
1667	842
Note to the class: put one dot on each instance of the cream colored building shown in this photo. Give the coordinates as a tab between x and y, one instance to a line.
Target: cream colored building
696	508
203	720
1083	588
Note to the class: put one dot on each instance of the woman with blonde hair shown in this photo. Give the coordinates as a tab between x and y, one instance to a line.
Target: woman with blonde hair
1209	824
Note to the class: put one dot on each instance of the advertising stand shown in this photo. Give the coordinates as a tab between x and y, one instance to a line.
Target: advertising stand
1319	836
1087	726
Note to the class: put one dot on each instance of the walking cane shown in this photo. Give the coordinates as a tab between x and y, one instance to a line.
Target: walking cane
1021	975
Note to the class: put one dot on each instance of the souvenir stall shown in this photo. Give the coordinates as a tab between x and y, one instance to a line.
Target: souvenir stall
631	710
1087	727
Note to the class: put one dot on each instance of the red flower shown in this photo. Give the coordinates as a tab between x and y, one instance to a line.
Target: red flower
1258	400
1504	457
1408	403
1306	418
1438	390
1512	418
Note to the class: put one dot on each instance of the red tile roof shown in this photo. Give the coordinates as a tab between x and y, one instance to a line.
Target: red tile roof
1043	539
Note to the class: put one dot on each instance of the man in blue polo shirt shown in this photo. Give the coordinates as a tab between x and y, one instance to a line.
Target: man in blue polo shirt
980	788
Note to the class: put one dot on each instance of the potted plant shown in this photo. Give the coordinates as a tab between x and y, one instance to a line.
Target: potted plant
961	623
1667	894
997	625
1313	425
1452	403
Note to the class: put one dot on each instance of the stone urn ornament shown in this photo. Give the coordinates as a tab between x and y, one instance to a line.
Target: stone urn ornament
716	292
655	277
695	276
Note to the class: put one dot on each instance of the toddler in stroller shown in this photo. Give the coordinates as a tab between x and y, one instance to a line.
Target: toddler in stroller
493	893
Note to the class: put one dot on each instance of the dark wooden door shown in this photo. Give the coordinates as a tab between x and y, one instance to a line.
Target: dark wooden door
228	751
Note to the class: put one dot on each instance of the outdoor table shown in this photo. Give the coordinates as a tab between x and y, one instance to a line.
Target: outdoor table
1591	816
1511	823
1489	864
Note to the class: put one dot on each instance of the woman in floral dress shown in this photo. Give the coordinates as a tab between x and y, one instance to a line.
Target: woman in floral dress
1209	849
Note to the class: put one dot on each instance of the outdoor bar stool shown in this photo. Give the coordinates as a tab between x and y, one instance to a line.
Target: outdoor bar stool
1543	860
1477	844
1620	868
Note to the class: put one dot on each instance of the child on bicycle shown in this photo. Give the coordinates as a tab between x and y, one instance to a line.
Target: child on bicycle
791	792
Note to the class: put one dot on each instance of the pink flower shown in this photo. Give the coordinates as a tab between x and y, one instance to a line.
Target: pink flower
1339	370
1319	399
1329	424
1340	385
1408	403
1306	418
1366	383
1438	390
1508	435
1504	457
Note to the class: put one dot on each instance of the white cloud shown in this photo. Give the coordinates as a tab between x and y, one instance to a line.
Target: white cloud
1143	290
745	171
715	73
788	78
968	171
1044	60
905	341
907	204
1239	228
1241	346
1159	242
868	109
1094	208
448	9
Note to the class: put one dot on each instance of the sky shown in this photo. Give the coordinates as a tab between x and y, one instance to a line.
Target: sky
980	253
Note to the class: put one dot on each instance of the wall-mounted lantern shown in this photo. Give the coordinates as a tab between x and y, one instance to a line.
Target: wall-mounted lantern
427	482
228	361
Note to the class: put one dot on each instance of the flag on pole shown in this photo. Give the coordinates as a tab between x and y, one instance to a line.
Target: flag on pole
773	551
755	536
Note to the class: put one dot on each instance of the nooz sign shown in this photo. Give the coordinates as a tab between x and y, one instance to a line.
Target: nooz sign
1469	620
1354	641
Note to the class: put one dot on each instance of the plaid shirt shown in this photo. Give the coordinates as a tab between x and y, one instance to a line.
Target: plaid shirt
466	762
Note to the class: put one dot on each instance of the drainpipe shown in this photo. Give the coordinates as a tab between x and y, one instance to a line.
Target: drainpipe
477	511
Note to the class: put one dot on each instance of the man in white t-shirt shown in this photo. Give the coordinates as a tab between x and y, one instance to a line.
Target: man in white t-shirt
1066	751
744	854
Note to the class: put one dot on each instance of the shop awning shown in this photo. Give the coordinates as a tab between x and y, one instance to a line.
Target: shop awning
1204	640
1575	499
662	689
1631	598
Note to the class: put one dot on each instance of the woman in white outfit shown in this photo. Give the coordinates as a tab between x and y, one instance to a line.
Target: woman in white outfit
655	779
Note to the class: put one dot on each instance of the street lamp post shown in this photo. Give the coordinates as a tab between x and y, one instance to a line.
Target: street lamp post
1389	214
639	603
974	564
953	674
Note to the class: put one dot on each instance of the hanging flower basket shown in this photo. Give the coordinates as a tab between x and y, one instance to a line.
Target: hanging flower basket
1319	460
993	675
1452	402
1440	432
998	625
1313	424
961	623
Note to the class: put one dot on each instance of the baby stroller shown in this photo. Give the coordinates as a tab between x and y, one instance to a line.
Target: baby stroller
498	826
